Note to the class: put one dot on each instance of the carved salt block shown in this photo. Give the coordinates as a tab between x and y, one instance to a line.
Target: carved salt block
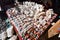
43	22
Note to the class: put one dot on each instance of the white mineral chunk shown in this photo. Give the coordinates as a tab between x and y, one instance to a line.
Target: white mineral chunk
43	22
59	36
4	35
10	31
53	23
51	11
26	12
14	37
40	19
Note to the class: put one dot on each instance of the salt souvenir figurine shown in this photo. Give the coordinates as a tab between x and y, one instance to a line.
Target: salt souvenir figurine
41	8
35	16
48	15
41	14
44	22
40	19
26	12
51	11
31	13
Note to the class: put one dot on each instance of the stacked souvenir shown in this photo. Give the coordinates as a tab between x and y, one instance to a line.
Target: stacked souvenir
30	19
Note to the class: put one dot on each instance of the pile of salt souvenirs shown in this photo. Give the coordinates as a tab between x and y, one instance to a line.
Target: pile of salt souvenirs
30	19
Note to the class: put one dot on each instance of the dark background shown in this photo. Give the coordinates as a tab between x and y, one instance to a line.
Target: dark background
54	4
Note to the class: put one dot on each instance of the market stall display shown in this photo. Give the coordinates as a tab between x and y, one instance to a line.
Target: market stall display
30	19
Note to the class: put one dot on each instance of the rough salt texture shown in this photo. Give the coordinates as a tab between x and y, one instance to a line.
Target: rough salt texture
30	19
